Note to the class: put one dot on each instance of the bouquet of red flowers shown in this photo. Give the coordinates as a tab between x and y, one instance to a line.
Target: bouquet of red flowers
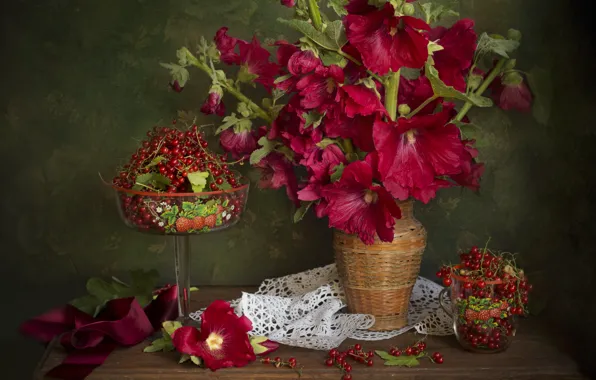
373	105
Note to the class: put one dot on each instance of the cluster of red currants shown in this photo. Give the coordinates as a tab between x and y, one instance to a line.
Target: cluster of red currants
355	353
279	362
174	153
418	350
488	290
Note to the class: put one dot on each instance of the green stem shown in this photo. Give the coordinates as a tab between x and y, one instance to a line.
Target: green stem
347	145
422	106
391	89
349	57
483	87
315	14
239	95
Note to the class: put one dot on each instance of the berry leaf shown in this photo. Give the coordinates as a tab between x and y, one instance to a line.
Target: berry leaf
302	210
155	161
198	181
151	181
402	361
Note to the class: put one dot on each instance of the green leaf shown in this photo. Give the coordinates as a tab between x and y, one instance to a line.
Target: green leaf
267	146
336	33
170	326
143	282
333	38
403	361
160	344
188	206
441	90
243	125
324	143
434	13
184	358
100	289
302	210
338	6
178	73
384	355
198	181
496	44
155	180
229	121
155	161
196	360
332	58
541	85
87	303
243	109
337	172
282	78
244	76
312	118
410	73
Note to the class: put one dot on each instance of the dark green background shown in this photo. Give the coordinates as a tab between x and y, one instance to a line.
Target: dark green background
81	82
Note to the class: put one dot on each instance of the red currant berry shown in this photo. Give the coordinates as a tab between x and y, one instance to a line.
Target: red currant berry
370	363
440	274
481	284
439	360
447	281
266	361
333	353
347	376
421	346
357	347
329	362
392	351
408	351
348	367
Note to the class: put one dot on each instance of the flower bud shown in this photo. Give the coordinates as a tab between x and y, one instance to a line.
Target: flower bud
404	109
510	64
512	79
289	3
408	9
514	34
474	81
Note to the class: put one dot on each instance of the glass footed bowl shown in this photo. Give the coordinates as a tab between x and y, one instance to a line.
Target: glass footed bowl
181	213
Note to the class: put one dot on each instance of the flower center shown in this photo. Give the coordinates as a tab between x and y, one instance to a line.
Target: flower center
370	197
330	85
214	342
410	136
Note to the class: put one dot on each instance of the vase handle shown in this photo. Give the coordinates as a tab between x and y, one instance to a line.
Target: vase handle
442	302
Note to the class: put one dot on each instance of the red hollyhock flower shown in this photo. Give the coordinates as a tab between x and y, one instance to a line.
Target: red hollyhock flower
241	143
290	126
319	89
471	171
213	104
414	92
227	46
320	164
298	63
511	92
277	171
387	42
357	206
412	152
353	116
459	46
255	60
222	341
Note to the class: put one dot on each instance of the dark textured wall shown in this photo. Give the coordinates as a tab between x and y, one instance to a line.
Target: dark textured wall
81	82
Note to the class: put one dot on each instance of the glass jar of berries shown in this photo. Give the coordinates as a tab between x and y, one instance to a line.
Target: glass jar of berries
487	292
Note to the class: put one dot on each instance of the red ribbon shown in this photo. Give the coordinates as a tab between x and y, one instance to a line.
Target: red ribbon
89	341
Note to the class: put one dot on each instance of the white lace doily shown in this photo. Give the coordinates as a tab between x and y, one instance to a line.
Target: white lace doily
305	310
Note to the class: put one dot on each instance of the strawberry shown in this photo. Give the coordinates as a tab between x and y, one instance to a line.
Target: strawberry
471	315
211	220
220	209
183	224
495	313
504	305
484	315
198	223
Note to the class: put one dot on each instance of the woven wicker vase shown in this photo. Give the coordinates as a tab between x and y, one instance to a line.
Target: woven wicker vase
378	279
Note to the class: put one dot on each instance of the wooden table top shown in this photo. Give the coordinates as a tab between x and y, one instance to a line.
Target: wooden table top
532	355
